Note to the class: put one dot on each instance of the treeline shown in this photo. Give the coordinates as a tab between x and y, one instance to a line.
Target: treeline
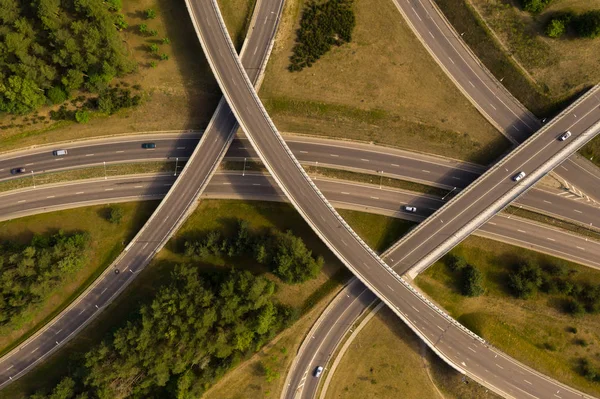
29	273
195	329
321	26
50	48
285	254
469	277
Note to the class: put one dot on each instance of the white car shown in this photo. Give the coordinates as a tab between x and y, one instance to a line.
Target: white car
564	136
518	176
318	371
410	209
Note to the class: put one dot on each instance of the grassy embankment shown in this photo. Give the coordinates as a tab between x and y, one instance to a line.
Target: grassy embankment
382	87
544	74
180	93
387	360
536	331
106	242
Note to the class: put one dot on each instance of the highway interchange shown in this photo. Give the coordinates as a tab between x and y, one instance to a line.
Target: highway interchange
497	380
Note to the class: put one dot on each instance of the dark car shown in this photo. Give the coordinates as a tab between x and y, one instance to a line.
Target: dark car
149	145
16	171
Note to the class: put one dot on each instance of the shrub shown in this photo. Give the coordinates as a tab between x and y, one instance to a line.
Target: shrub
456	262
143	28
526	279
115	214
82	116
150	13
535	6
153	48
56	95
556	28
472	281
114	5
166	40
588	24
164	57
574	307
588	370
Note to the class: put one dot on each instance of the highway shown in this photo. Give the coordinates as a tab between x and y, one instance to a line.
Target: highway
458	346
358	157
170	214
256	186
486	93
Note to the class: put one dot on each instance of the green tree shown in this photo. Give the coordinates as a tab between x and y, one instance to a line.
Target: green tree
472	281
166	40
150	13
164	57
143	28
82	116
114	5
56	95
153	32
115	214
20	96
120	22
153	48
153	64
556	28
535	6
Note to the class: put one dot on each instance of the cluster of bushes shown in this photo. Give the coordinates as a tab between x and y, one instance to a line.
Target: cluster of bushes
470	278
285	254
586	25
589	371
29	273
528	277
321	26
194	330
50	48
153	47
535	6
108	101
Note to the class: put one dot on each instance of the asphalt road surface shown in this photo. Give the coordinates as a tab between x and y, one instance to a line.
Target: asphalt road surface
455	344
165	220
484	90
254	186
358	157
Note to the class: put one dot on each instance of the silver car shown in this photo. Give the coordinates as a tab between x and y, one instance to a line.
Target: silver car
318	371
519	176
564	136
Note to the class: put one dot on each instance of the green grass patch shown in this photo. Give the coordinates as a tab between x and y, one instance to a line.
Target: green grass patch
237	15
95	172
379	232
536	331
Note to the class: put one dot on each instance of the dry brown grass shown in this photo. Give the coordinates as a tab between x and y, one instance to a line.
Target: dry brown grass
382	87
562	66
387	360
521	328
181	92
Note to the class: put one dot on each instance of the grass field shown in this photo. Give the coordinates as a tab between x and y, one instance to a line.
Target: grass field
562	67
181	93
209	215
382	87
237	15
387	360
533	331
107	241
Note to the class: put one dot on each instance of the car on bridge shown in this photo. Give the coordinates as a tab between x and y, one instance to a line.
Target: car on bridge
149	145
411	209
565	135
318	371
